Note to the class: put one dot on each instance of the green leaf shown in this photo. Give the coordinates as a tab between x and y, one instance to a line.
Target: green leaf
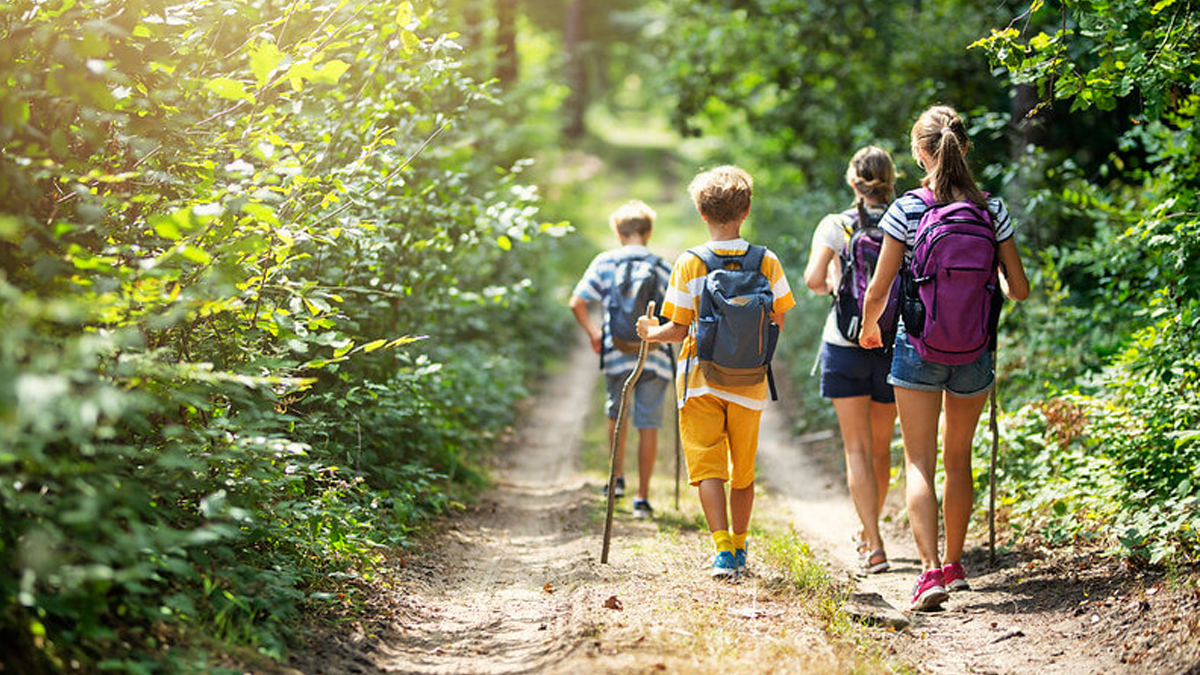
373	345
229	89
404	14
195	254
412	43
504	242
1161	5
264	58
406	340
261	212
328	72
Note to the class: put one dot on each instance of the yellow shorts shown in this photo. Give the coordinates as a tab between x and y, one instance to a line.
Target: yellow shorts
720	440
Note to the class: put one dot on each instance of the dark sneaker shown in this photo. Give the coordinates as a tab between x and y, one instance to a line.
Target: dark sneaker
642	509
724	565
955	578
618	488
929	592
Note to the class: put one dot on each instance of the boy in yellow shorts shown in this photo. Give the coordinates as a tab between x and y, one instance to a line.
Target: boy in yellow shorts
722	387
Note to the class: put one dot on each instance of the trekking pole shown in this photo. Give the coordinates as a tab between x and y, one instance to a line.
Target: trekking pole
626	389
678	439
995	426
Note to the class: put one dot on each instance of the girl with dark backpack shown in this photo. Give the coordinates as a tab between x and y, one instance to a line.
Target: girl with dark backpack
953	247
845	249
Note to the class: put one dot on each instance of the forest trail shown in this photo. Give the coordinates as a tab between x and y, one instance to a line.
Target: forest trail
1066	616
514	585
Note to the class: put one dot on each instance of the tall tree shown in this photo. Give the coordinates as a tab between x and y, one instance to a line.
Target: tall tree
506	41
573	38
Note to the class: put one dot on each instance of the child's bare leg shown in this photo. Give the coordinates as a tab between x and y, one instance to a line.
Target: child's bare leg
883	424
962	414
712	500
619	460
919	411
854	419
647	452
741	503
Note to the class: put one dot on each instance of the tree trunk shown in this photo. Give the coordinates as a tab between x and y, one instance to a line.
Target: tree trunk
506	41
576	72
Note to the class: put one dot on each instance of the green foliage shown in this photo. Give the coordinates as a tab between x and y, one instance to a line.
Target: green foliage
805	83
264	301
1128	470
1102	51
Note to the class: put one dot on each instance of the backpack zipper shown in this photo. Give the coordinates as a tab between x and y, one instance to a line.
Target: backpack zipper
761	316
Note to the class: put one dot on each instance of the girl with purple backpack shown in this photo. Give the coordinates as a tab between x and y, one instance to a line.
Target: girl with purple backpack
954	249
845	245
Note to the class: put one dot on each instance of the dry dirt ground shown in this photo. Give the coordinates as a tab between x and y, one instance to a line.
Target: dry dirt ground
514	584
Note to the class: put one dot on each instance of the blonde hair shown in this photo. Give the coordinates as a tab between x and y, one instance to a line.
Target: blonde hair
941	134
633	217
722	195
872	175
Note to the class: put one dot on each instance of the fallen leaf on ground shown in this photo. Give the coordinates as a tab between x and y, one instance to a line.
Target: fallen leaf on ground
613	603
549	587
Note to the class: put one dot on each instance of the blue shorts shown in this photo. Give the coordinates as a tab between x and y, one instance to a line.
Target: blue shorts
646	398
910	371
853	371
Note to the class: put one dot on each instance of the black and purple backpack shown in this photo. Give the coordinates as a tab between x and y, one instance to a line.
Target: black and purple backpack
859	257
952	298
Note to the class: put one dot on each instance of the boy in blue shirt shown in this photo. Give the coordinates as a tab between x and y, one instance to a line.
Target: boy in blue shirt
633	223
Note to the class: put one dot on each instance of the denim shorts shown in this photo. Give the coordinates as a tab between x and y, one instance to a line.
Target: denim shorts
647	398
853	371
910	371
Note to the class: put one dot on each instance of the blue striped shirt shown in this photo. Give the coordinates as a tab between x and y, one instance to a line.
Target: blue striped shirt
596	284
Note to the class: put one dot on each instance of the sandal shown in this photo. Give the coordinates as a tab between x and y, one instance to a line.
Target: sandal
875	562
861	547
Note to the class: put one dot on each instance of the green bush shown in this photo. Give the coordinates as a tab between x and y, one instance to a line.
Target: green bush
265	304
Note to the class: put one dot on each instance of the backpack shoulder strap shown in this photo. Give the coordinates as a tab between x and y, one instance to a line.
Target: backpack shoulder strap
711	260
849	222
925	195
752	259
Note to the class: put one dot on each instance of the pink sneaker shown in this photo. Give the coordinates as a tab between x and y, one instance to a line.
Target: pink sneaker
955	578
929	591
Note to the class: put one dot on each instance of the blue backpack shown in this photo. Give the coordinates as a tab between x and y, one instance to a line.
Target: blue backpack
735	337
635	283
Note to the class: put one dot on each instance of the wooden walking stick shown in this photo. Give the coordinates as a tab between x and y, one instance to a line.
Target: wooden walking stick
626	389
995	426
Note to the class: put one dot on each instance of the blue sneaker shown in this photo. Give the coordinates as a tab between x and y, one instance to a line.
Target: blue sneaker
739	558
724	565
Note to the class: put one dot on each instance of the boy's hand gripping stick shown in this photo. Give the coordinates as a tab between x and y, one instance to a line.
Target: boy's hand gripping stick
626	390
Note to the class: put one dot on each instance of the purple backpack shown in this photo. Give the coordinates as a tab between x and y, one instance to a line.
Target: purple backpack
859	258
951	304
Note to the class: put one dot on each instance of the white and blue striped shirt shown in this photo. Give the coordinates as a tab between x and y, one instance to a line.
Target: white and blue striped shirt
902	217
597	282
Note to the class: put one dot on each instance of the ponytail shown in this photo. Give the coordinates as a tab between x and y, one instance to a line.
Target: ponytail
940	132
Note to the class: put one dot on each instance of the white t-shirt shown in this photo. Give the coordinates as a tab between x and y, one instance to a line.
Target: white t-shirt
831	233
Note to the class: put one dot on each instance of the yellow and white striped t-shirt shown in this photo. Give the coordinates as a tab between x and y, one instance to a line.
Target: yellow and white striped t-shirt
680	306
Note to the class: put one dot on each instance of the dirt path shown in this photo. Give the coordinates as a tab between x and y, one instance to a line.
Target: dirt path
1067	615
514	585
